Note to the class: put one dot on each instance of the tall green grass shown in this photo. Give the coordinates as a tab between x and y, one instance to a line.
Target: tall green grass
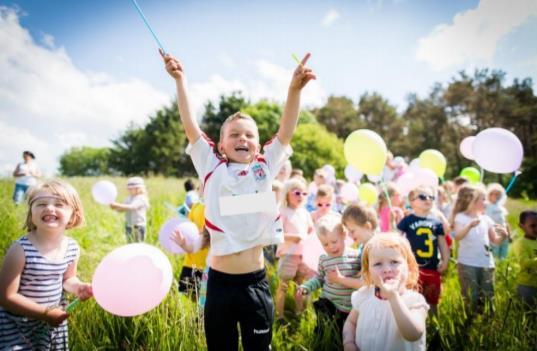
176	324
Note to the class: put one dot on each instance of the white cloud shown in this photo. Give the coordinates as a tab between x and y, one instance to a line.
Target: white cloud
329	18
47	104
474	34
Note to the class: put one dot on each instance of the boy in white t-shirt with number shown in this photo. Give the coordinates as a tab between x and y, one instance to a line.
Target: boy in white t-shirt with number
237	289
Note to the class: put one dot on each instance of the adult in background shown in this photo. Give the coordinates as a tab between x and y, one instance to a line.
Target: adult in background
25	176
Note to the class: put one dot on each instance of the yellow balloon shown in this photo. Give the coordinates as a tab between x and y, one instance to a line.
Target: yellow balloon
197	215
368	193
366	151
433	160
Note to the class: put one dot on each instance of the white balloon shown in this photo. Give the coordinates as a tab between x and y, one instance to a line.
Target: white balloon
104	192
498	150
374	178
349	192
414	164
352	174
188	229
466	146
330	170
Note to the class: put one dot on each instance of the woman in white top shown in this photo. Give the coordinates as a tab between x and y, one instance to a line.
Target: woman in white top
25	176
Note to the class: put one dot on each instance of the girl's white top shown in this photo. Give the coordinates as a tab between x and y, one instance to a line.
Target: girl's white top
376	329
137	216
474	249
235	233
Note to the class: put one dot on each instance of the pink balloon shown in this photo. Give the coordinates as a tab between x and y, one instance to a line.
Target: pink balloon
427	177
406	182
132	279
498	150
466	147
187	228
312	250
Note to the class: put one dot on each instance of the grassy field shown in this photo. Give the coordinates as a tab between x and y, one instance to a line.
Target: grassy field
174	324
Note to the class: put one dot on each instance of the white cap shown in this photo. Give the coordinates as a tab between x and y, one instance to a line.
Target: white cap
135	182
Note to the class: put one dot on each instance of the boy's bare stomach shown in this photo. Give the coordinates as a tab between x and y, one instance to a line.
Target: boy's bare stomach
246	261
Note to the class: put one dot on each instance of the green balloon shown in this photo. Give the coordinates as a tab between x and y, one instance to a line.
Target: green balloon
472	174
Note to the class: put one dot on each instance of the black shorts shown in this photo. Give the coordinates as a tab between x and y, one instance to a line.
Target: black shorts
189	280
234	299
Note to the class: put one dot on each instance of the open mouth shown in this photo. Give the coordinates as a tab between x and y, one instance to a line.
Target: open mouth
242	148
49	218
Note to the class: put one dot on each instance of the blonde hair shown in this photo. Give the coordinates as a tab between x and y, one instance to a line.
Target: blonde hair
325	190
395	241
66	193
360	215
329	224
496	187
466	197
383	199
233	117
290	184
420	188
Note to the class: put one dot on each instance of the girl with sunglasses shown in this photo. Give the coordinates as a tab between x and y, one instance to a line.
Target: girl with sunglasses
297	223
324	200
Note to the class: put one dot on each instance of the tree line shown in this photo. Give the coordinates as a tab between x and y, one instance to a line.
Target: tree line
461	107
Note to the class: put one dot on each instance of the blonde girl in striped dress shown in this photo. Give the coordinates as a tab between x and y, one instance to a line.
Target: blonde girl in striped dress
37	269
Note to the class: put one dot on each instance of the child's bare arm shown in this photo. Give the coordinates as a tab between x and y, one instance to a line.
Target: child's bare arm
301	77
444	253
335	276
175	69
349	331
14	302
73	285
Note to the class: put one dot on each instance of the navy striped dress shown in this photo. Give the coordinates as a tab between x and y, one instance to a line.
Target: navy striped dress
41	281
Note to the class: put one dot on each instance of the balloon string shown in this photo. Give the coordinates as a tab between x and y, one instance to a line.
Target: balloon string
392	218
72	305
511	182
482	175
147	25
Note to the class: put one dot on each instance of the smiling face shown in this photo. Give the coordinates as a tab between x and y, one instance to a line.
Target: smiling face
239	140
50	212
296	197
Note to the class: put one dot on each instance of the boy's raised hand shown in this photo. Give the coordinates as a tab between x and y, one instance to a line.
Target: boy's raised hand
173	66
302	74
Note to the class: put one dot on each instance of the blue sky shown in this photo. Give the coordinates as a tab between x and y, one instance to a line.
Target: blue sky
77	72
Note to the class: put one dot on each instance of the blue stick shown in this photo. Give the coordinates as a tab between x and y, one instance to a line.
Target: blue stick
147	24
511	183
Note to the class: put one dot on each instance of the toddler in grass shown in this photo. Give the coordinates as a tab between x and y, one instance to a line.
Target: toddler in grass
337	275
135	207
387	312
237	288
37	269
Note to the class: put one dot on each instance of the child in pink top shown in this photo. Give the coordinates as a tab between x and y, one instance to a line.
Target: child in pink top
297	223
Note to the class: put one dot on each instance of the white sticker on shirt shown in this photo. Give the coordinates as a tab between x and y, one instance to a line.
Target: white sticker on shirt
248	203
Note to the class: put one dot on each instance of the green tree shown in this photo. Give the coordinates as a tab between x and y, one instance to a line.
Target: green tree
314	146
339	115
213	117
85	161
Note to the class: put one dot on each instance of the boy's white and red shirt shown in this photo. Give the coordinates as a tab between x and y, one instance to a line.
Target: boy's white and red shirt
235	233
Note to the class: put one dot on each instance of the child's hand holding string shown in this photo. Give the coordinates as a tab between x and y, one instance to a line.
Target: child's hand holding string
302	74
54	316
173	66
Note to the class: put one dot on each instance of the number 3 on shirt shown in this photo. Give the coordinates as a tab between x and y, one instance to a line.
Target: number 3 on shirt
428	242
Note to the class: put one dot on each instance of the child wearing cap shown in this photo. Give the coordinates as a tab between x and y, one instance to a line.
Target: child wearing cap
135	207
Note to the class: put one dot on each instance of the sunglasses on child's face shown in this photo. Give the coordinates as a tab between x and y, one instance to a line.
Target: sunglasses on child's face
298	193
323	205
424	197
